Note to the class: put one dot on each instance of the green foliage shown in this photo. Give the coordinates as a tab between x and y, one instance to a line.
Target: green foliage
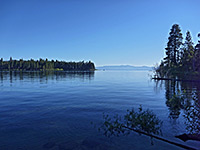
113	126
141	120
44	65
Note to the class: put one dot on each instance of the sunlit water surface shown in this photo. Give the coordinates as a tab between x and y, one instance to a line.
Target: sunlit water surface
62	111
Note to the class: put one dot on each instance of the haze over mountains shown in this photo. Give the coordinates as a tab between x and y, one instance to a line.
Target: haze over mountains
124	67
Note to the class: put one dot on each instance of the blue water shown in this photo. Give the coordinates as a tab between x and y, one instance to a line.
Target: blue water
62	111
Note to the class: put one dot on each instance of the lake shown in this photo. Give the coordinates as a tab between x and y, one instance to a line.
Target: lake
64	110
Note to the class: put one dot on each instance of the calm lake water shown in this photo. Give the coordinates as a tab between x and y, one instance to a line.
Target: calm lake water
63	111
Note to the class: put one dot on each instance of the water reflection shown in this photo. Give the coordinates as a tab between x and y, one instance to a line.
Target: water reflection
192	114
184	97
45	76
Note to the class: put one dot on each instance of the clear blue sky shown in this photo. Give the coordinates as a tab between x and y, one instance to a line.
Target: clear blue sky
107	32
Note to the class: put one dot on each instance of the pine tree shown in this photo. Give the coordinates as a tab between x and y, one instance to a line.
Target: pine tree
173	46
21	64
197	56
10	64
187	54
1	63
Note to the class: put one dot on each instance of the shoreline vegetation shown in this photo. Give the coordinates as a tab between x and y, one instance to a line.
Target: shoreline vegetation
182	59
45	65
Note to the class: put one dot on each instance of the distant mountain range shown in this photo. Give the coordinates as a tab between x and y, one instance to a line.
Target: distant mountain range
125	67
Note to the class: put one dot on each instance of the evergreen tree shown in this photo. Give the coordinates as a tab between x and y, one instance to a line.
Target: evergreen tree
173	46
187	54
197	56
1	63
11	63
20	64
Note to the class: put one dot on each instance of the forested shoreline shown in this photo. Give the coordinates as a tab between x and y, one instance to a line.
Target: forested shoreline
44	65
182	59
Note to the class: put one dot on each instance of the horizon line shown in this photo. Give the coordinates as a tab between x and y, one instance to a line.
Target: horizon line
117	65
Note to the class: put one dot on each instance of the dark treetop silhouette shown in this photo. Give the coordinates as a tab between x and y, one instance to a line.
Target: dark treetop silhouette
182	58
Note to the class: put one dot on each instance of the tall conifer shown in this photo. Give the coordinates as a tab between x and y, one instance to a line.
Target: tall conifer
173	46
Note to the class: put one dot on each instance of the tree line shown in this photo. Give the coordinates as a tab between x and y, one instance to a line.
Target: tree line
44	65
182	58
